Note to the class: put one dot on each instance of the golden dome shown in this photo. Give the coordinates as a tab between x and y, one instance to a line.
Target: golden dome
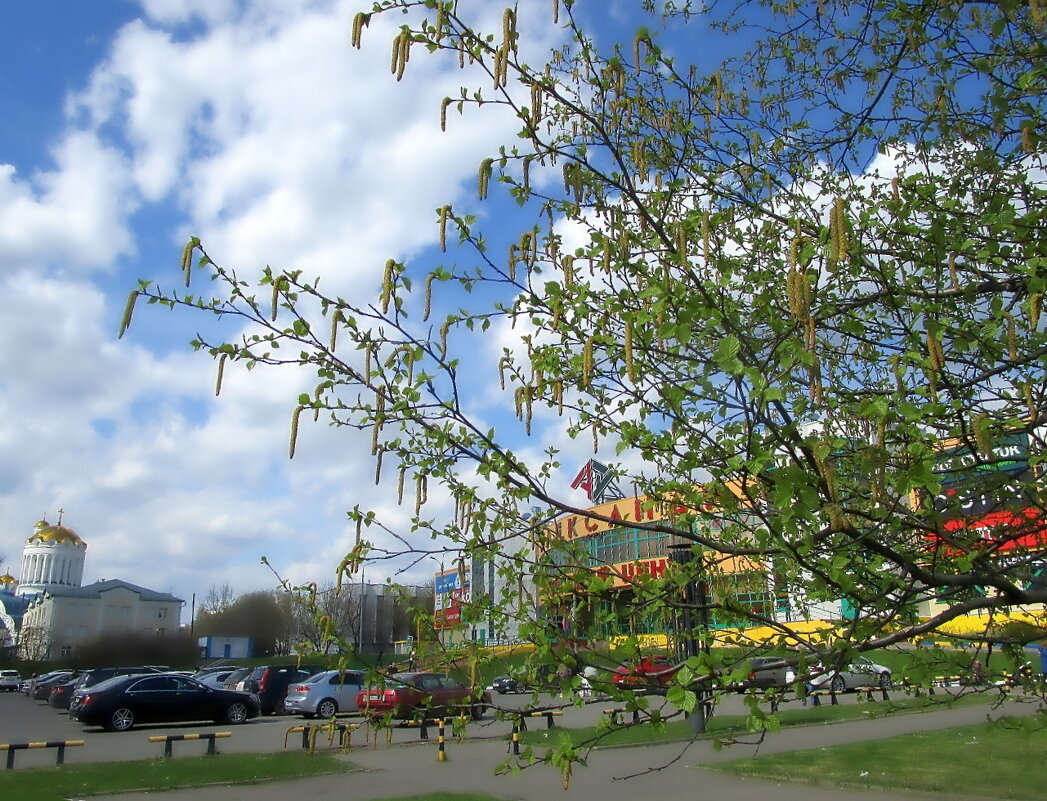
45	532
8	580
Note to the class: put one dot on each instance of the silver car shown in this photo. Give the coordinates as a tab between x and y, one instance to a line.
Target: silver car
860	673
325	694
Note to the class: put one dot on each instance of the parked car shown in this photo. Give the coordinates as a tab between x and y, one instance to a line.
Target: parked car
508	684
213	678
29	686
325	694
119	703
236	679
62	692
762	677
42	688
270	683
650	671
860	673
9	680
416	695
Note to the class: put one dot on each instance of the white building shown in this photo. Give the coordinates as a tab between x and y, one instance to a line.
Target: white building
61	614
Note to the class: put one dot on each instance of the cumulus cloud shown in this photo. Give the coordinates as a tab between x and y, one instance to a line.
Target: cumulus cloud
255	126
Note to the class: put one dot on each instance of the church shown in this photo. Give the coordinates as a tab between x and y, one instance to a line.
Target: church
47	613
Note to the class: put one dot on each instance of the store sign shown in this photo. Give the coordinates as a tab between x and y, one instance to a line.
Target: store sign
620	512
625	573
989	498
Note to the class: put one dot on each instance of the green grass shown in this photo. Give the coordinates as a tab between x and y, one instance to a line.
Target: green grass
987	760
78	781
722	725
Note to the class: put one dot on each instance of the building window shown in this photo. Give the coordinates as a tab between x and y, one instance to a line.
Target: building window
162	612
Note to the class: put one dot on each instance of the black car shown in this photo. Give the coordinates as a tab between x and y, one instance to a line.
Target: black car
508	684
270	683
42	688
62	694
119	703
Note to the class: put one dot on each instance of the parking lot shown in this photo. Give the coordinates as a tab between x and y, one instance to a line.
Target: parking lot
25	720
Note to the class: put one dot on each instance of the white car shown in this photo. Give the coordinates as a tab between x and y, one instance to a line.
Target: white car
9	680
860	673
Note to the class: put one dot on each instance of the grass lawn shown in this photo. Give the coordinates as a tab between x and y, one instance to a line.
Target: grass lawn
847	709
986	760
78	781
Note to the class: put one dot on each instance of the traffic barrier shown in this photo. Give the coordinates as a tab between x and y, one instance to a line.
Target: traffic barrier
61	745
816	696
441	752
170	739
547	714
309	733
868	690
616	715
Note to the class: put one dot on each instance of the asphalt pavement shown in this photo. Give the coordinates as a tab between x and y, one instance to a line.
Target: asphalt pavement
638	773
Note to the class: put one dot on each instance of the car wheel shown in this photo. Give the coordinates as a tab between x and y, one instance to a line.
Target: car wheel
477	711
838	684
121	719
236	713
327	708
885	681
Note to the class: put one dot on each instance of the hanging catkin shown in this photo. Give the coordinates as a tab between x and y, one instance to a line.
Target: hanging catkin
221	371
129	310
360	21
428	296
630	364
294	430
484	177
336	317
387	285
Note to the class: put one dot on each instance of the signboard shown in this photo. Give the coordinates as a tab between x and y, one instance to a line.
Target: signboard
449	597
990	498
597	479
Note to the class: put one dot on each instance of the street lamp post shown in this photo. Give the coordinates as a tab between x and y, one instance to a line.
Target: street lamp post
695	596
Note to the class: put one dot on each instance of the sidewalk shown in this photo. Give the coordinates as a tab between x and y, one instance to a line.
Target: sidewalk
658	772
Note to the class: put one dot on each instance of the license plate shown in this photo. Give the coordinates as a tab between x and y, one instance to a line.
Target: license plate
375	697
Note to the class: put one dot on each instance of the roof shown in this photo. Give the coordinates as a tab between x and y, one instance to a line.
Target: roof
95	591
45	532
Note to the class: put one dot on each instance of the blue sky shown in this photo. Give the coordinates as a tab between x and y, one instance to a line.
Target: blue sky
124	128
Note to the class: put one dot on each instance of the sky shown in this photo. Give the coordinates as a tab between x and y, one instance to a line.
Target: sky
127	126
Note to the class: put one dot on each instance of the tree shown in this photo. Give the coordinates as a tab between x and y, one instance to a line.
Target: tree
319	617
217	600
795	285
257	615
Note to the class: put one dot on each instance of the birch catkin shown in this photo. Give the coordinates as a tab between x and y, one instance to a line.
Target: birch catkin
484	177
335	319
360	21
443	113
387	285
294	430
428	296
129	310
221	371
630	364
187	260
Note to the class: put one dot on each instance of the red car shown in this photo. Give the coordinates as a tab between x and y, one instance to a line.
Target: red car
650	671
414	695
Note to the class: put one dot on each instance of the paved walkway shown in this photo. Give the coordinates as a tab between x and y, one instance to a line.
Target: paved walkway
613	774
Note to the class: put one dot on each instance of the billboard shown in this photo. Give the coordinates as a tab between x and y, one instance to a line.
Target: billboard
451	594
